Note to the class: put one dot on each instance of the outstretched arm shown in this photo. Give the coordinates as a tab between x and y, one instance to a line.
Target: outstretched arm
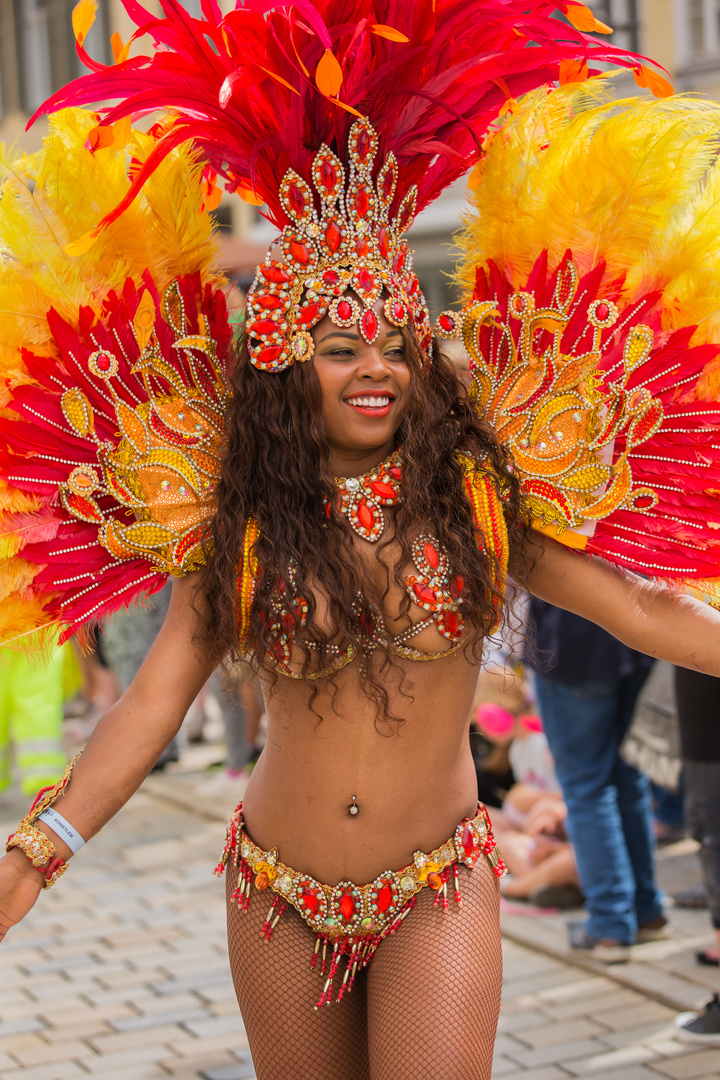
648	617
123	747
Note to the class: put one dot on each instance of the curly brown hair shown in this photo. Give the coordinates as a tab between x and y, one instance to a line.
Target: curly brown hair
276	467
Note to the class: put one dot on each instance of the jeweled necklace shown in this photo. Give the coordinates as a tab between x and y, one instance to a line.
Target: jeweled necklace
363	497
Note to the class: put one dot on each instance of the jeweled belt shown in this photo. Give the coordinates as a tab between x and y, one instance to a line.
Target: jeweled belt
353	919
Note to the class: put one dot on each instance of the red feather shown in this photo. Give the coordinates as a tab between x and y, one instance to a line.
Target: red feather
243	86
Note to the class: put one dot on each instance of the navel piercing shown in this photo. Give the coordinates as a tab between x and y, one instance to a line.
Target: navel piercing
353	808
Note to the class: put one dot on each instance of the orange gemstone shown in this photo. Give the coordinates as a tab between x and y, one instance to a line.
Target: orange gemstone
332	236
262	881
309	314
388	181
431	555
299	252
379	487
384	899
424	593
434	880
366	281
384	242
361	247
263	326
310	901
365	516
347	907
328	176
362	203
268	301
267	356
274	273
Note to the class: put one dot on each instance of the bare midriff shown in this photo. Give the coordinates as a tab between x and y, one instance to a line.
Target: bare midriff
413	780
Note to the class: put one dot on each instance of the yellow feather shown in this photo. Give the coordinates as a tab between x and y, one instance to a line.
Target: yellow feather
49	201
634	183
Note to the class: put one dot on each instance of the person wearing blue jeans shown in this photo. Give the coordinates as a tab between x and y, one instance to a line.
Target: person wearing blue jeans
587	684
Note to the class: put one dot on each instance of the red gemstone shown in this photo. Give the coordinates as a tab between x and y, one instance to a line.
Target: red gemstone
362	203
274	273
103	362
643	502
268	301
361	247
367	623
395	471
365	280
388	181
363	144
257	329
399	261
299	252
345	310
456	585
365	515
384	899
328	176
370	325
468	841
333	236
424	593
310	901
399	312
451	622
382	489
266	356
347	907
296	199
431	555
602	311
309	314
447	323
384	242
331	278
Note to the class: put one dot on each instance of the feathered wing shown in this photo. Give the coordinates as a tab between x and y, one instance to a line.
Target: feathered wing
260	89
592	257
113	379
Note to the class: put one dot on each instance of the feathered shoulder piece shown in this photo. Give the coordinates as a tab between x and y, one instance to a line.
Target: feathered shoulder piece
113	378
592	263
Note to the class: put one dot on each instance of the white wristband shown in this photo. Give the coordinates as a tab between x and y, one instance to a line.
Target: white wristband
63	828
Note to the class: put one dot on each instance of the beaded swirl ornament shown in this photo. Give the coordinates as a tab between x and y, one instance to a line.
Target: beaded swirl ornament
347	245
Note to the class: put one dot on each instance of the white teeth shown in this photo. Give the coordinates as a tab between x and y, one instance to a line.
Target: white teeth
369	402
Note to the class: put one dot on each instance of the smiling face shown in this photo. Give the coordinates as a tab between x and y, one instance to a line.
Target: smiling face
365	391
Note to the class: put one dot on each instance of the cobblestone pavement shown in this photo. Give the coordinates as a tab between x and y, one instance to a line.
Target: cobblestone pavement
121	972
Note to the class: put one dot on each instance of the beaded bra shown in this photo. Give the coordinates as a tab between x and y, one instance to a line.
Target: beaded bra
433	587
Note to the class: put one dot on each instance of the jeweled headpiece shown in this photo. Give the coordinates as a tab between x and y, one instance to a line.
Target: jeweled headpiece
343	118
341	238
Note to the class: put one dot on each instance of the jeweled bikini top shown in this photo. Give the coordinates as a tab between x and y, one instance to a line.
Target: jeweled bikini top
434	587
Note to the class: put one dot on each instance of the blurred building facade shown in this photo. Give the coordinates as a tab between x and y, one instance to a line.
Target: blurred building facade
37	56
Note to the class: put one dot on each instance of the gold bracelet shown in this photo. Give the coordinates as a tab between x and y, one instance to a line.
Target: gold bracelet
38	848
41	852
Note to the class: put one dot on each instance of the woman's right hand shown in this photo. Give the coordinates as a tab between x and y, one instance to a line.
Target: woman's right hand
20	886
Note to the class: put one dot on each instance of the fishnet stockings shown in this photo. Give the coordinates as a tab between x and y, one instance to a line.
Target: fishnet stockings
427	1006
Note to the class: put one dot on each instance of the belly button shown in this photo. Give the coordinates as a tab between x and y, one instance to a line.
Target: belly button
353	808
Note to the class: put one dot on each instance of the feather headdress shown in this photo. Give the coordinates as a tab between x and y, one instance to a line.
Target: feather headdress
262	88
345	118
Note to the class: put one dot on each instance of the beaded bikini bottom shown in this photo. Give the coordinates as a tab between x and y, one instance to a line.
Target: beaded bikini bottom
351	920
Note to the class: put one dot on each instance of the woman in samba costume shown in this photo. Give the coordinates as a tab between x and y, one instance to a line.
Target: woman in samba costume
361	509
